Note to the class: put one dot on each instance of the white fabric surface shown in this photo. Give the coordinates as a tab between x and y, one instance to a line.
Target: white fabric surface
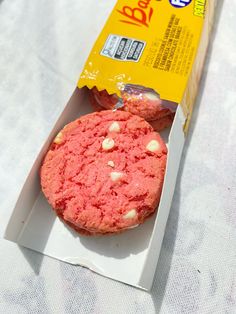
40	45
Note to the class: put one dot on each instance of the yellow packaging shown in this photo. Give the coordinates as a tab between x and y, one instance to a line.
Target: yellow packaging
151	43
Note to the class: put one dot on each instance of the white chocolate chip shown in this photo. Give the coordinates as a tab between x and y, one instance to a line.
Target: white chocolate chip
131	214
114	127
115	176
58	138
108	143
153	146
152	96
111	163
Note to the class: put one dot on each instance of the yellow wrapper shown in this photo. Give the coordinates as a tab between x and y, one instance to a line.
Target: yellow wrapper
150	43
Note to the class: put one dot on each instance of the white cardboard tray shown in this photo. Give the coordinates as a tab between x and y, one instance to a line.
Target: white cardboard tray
130	257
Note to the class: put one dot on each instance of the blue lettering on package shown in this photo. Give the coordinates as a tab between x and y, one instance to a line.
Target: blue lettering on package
180	3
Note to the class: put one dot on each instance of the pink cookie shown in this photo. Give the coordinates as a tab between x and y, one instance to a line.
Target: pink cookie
158	125
104	172
162	123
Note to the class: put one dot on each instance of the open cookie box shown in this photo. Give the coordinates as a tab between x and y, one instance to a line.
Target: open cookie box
130	257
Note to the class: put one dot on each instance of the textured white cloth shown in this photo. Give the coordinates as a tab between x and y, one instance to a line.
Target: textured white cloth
41	45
